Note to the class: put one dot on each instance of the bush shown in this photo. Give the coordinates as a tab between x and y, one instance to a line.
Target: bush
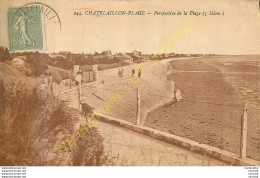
4	54
56	78
36	64
89	151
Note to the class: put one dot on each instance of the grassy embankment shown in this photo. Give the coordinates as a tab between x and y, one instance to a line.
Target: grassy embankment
33	124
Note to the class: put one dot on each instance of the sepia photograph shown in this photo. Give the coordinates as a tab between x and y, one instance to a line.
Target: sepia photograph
129	83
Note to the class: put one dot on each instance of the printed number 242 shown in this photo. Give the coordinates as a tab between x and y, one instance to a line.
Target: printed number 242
77	13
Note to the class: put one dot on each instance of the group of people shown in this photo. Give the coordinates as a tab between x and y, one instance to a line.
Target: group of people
78	77
121	73
139	73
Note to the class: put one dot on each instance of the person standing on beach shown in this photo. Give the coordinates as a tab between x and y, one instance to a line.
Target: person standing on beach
119	72
139	73
133	72
122	73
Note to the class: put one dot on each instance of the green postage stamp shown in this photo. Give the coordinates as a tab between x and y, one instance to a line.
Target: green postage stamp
25	29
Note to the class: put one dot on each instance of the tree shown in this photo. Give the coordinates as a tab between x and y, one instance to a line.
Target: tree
4	54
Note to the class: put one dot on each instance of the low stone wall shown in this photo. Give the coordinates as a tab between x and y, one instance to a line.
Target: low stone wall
191	145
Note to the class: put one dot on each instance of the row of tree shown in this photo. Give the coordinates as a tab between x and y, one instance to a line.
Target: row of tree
65	61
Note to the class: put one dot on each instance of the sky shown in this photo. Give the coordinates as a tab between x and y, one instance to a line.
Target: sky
237	32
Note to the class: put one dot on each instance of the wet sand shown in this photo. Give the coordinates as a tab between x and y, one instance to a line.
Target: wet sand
212	103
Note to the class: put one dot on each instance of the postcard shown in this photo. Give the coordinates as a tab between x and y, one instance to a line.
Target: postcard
129	83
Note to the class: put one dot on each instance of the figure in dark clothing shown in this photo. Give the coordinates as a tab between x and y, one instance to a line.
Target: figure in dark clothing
86	109
120	72
139	73
133	72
